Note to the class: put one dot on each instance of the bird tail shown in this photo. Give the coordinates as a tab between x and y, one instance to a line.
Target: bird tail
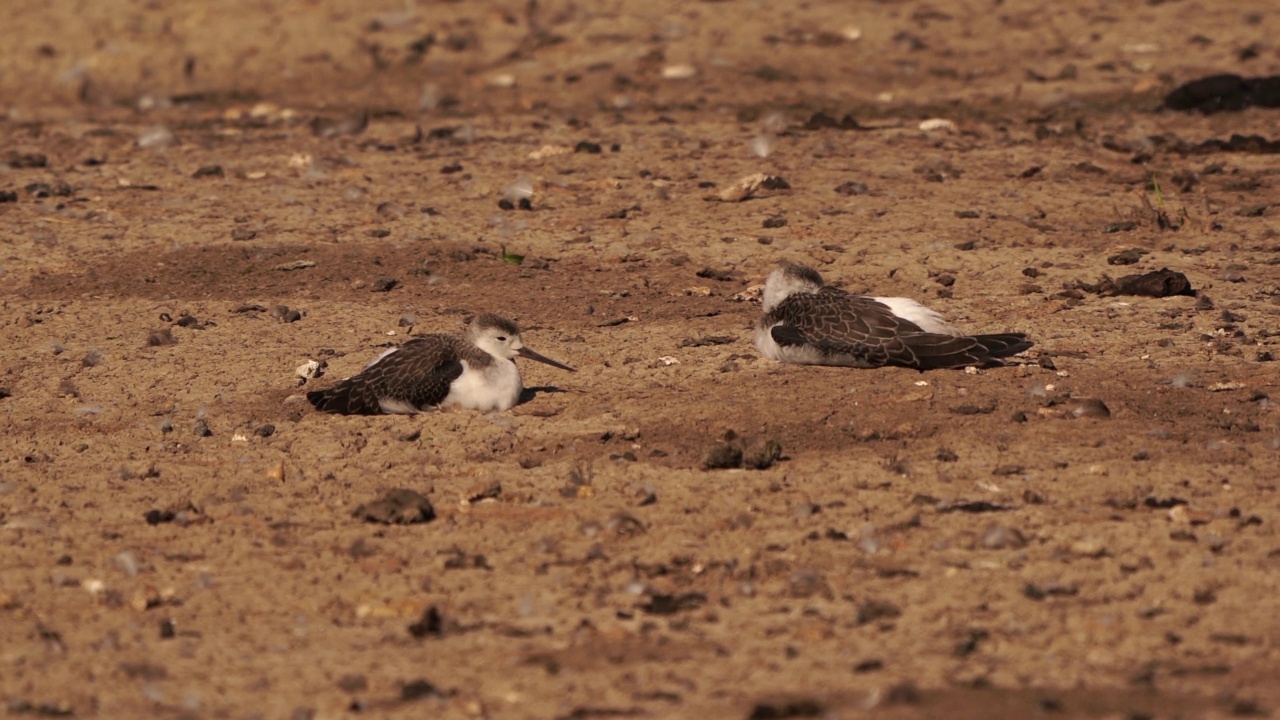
348	397
932	351
1003	344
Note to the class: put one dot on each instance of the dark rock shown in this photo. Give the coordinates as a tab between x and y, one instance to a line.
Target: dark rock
163	336
156	517
1210	94
970	506
874	610
797	708
1072	408
671	604
18	160
397	507
429	625
417	690
1236	143
1036	591
852	188
1157	283
385	284
208	171
1225	92
821	121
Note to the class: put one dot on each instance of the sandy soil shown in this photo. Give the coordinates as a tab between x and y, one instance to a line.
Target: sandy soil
178	533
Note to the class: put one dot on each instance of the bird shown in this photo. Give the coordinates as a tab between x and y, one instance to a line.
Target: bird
475	371
808	322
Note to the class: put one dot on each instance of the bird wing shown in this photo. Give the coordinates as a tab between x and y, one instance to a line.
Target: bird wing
839	324
420	372
417	374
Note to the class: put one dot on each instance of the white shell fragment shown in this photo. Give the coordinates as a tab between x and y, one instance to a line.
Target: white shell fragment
501	80
748	186
295	265
547	151
678	72
938	125
309	369
156	137
753	293
1225	386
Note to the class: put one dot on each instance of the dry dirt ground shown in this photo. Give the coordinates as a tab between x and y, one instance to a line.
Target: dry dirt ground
178	537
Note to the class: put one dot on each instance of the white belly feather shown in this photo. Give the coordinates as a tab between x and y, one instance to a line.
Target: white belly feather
496	387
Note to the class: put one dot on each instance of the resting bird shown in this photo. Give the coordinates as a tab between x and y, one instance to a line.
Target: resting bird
476	371
809	323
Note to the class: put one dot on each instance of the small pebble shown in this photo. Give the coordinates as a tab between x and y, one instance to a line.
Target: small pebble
1002	537
156	137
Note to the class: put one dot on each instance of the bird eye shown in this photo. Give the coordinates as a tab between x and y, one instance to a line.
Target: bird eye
502	338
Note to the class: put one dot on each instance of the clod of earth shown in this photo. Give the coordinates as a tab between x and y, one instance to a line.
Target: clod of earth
397	507
1157	283
1225	92
671	604
723	456
1127	257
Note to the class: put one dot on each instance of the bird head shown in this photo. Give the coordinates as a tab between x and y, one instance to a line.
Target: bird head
789	279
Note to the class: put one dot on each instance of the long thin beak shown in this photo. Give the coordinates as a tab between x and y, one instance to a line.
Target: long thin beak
525	352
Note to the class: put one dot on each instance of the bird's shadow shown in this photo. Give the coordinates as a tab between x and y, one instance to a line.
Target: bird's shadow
530	393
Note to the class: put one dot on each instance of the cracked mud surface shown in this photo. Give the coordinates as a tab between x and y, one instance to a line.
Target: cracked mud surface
176	530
